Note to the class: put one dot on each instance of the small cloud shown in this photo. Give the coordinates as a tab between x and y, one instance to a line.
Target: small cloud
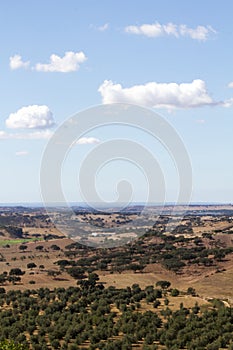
31	117
70	62
43	134
36	135
16	62
200	121
87	141
103	27
201	33
153	30
3	135
21	153
228	103
230	85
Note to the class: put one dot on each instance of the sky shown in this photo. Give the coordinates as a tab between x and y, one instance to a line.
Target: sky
58	58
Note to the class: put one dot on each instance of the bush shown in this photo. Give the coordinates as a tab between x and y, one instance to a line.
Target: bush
16	271
163	284
31	265
175	292
55	247
191	291
156	304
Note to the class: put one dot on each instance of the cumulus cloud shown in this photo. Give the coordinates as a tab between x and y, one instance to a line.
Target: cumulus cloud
16	62
70	62
87	141
31	117
154	30
230	85
21	153
158	95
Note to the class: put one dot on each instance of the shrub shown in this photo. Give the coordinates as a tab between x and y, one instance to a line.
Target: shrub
175	292
31	265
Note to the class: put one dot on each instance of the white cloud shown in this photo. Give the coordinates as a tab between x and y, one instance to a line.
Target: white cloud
31	117
42	135
2	135
103	27
16	62
154	30
158	95
230	85
228	103
70	62
36	135
21	153
87	141
199	33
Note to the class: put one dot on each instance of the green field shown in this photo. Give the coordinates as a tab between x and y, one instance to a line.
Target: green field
17	241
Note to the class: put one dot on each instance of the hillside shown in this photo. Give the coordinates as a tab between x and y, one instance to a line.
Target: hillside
199	253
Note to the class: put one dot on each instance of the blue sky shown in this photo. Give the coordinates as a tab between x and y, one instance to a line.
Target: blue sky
60	57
